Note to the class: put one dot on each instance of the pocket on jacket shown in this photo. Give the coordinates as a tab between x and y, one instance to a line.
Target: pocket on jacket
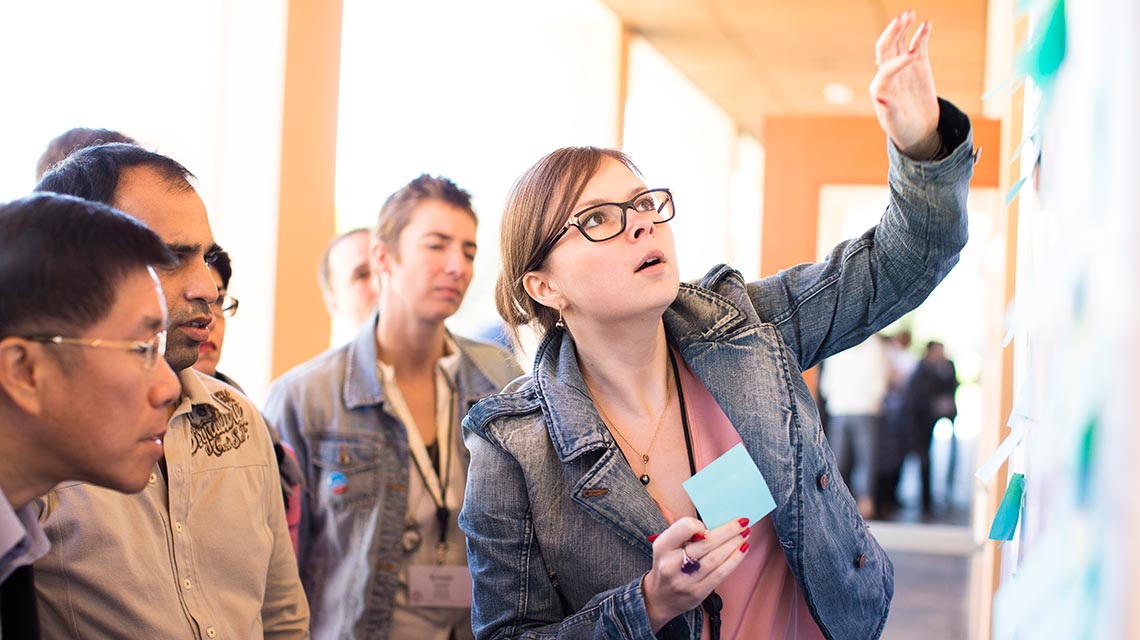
347	472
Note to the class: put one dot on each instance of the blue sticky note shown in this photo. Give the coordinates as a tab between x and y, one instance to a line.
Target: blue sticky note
1005	521
730	487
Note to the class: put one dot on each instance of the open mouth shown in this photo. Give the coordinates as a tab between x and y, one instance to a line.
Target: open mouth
651	261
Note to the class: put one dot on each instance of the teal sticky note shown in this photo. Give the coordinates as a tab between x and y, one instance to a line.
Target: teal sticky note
1047	52
730	487
1005	521
1014	190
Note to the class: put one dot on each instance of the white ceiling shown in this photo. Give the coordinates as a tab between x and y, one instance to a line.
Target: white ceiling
760	57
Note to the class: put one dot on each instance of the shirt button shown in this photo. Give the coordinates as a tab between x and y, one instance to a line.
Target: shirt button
824	481
211	632
861	560
178	527
153	478
186	583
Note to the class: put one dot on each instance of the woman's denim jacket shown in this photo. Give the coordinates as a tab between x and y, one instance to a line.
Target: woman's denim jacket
557	522
331	410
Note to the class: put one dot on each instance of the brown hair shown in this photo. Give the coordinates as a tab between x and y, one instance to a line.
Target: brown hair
397	210
73	140
537	206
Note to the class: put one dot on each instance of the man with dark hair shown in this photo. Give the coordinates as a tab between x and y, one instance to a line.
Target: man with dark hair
82	332
73	140
348	287
207	552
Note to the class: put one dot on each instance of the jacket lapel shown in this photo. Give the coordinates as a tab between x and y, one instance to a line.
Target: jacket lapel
607	488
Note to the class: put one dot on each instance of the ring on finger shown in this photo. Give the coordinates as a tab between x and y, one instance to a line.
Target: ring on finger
688	565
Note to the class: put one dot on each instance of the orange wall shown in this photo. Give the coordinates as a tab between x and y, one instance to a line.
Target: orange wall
306	219
804	153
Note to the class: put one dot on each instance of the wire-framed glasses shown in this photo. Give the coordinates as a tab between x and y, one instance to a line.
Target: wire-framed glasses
224	307
605	221
152	349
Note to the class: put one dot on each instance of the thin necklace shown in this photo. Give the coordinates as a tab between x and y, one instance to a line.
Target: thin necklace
644	477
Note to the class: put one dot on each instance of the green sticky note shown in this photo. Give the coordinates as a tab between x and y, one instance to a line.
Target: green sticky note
1005	522
730	487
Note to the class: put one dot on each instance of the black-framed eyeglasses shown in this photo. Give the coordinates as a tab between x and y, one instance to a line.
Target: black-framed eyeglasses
224	307
606	221
152	349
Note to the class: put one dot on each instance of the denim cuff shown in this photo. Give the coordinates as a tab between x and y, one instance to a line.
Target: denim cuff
956	154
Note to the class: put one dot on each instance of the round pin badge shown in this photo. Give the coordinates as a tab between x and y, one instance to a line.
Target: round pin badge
337	483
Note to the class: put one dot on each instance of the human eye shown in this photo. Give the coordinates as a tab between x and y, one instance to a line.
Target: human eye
594	218
645	203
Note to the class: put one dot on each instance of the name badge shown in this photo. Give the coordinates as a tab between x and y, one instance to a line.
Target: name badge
439	586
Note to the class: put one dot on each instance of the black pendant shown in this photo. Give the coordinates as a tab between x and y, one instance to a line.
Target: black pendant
644	478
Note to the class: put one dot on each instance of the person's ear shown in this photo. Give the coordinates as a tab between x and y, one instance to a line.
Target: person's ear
543	290
21	372
330	302
382	258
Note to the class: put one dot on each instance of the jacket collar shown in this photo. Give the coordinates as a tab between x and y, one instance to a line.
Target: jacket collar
697	321
363	387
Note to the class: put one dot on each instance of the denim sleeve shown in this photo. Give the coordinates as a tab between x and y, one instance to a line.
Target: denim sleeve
285	611
514	596
281	413
868	282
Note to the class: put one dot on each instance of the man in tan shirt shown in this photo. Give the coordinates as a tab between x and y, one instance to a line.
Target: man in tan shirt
203	551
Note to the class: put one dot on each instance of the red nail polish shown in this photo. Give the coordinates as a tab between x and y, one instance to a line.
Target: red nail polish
697	537
744	548
653	537
744	534
743	521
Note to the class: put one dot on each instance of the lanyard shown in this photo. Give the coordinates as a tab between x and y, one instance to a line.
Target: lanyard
712	603
436	483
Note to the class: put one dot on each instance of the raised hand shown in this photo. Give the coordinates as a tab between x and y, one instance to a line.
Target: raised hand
903	89
688	563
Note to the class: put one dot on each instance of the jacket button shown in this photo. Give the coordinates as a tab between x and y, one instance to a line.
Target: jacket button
861	560
824	481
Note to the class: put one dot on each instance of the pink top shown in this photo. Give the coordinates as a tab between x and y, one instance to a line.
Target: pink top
761	598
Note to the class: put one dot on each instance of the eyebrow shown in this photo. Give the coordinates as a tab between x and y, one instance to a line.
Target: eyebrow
151	324
596	201
181	247
447	238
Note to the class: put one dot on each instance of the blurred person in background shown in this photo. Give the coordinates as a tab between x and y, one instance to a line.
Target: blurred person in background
894	439
376	426
73	140
348	286
855	383
930	398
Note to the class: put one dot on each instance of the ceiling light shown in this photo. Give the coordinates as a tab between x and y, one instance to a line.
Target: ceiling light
838	94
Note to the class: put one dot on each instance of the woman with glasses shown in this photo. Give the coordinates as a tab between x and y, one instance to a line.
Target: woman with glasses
576	519
210	351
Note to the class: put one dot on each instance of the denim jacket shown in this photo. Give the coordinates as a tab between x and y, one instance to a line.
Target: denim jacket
332	411
556	520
